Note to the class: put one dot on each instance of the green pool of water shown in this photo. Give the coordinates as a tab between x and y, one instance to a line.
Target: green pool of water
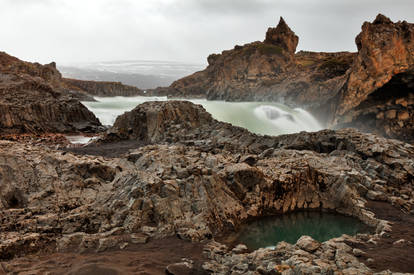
321	226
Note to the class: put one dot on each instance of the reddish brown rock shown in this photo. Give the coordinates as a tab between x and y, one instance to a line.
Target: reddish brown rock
282	36
381	79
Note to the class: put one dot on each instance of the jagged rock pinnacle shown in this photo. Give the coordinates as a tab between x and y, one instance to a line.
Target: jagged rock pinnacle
382	19
282	36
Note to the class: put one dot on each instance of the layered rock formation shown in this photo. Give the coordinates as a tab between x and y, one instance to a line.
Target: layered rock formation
102	88
195	178
32	100
371	89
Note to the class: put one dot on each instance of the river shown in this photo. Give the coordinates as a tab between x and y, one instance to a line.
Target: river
258	117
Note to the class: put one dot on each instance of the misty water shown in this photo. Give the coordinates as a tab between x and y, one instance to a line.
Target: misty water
322	226
258	117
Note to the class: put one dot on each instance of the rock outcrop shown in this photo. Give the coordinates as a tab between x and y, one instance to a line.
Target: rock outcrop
379	94
371	89
102	88
282	36
195	178
268	71
32	100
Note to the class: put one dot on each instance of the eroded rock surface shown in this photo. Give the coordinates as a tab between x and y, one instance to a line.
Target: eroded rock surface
32	100
195	180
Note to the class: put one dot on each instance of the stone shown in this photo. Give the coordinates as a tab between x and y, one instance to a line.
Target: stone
358	252
404	115
139	238
376	195
308	244
391	114
239	249
402	101
183	268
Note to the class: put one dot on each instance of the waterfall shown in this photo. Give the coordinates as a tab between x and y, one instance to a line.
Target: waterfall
258	117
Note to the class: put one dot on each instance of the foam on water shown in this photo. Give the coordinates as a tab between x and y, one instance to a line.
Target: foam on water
257	117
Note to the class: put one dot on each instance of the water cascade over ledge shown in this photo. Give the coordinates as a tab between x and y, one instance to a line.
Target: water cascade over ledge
258	117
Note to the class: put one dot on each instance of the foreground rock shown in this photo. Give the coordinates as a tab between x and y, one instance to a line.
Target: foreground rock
32	100
195	178
371	89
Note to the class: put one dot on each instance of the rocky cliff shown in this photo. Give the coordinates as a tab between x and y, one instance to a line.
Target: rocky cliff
32	100
371	89
268	71
197	178
102	88
379	93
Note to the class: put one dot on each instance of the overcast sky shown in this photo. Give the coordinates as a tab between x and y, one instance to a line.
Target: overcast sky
69	31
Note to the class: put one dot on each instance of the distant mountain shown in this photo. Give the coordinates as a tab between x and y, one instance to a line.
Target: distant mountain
141	74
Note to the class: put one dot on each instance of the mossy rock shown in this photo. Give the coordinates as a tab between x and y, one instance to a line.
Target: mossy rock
334	63
269	49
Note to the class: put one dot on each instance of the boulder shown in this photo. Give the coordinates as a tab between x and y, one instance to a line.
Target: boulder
308	244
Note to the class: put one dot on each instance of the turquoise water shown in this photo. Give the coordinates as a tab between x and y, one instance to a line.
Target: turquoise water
268	231
258	117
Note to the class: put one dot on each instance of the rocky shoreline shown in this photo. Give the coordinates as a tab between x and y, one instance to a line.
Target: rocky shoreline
193	177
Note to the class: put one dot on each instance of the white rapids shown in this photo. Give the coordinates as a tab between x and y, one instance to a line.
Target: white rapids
258	117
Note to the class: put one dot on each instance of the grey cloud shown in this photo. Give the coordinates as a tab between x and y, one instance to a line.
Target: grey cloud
182	30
